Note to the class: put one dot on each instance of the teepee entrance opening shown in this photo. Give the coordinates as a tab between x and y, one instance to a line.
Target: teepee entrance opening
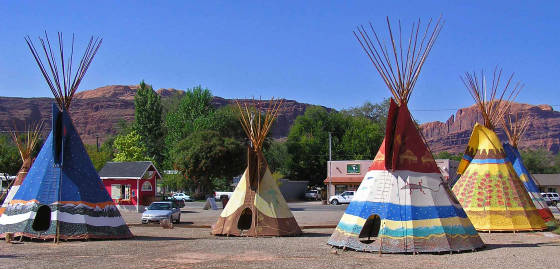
370	230
245	220
42	220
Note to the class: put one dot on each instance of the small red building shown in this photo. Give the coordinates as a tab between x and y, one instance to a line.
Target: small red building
123	180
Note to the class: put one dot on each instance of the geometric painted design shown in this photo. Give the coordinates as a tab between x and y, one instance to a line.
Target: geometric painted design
416	210
489	189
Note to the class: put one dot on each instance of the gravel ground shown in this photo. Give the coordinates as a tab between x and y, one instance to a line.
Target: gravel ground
154	247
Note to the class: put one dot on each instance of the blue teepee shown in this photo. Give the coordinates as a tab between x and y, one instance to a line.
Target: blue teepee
62	196
515	158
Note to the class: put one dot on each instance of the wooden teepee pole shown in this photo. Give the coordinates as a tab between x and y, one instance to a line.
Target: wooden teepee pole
516	127
493	103
399	66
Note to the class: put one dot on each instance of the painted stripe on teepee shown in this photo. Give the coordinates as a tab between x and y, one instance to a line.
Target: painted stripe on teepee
453	221
65	217
402	212
417	232
488	161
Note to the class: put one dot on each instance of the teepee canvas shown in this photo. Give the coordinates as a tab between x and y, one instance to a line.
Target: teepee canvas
25	149
62	196
489	189
515	128
403	204
257	207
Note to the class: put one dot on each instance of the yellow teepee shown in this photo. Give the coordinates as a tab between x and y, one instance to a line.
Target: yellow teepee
489	189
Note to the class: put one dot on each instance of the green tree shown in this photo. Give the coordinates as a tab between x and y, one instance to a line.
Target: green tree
352	138
308	145
205	156
130	148
224	120
10	160
540	161
375	112
148	121
195	103
175	182
448	155
99	158
277	157
362	139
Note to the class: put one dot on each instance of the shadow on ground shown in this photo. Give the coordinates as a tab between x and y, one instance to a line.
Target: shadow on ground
187	211
160	238
520	245
311	234
9	256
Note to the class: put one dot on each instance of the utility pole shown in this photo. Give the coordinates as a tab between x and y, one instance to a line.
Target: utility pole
97	143
330	163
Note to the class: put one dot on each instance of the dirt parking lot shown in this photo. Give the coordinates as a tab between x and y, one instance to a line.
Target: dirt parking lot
154	247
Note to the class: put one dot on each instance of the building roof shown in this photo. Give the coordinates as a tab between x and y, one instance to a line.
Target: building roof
547	179
133	170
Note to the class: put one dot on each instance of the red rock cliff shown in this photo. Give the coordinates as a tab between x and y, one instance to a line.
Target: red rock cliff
453	135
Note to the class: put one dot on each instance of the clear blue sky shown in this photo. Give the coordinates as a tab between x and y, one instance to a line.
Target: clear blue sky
302	50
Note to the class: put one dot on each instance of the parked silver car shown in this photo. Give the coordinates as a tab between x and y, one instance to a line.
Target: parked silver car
159	211
312	195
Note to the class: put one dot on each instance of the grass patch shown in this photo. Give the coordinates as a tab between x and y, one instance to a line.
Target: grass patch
554	226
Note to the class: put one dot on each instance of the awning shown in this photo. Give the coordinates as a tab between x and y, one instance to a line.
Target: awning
341	180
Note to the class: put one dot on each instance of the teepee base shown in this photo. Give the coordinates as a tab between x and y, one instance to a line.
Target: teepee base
265	226
433	244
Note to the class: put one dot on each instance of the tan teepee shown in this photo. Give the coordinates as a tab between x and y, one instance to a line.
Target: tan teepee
257	207
25	148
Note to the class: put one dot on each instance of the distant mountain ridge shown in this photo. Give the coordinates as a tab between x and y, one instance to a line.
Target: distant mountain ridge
96	112
453	135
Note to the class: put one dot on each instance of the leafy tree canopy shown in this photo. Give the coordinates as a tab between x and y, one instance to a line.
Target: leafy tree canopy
353	137
99	158
541	161
10	160
130	148
148	121
206	155
276	155
196	103
375	112
448	155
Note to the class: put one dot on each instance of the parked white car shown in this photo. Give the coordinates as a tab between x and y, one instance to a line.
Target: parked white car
181	196
551	198
343	198
221	194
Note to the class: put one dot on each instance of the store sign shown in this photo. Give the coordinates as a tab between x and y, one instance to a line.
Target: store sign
353	168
